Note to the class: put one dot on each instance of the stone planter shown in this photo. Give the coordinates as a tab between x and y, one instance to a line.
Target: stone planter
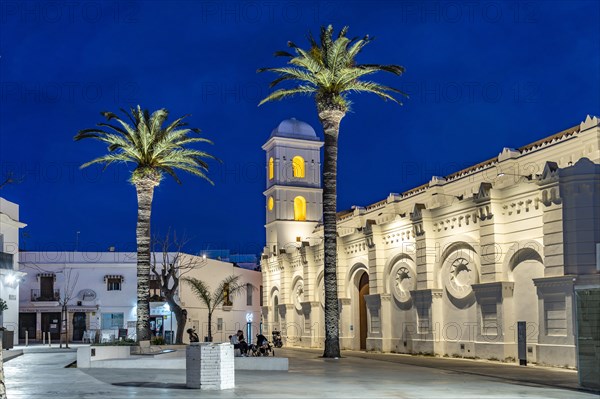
210	366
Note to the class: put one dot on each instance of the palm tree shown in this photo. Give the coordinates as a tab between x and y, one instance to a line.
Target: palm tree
154	150
227	289
329	71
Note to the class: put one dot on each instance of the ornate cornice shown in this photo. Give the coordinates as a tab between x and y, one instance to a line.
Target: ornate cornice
427	294
559	281
497	288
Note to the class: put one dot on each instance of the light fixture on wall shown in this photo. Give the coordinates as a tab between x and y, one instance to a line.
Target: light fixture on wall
11	278
502	174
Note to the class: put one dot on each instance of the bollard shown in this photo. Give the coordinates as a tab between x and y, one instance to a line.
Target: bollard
26	338
49	343
43	338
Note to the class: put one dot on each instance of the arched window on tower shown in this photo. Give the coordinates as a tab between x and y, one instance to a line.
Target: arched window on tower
299	208
270	203
271	168
298	166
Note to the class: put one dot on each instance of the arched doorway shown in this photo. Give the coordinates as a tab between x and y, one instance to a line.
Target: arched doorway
526	266
363	289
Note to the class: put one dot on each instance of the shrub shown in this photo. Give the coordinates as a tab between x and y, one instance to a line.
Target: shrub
157	341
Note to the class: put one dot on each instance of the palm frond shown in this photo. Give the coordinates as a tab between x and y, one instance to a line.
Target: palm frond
143	139
233	286
284	93
201	290
328	69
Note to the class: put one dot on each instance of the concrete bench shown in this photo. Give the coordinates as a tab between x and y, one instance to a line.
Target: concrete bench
262	363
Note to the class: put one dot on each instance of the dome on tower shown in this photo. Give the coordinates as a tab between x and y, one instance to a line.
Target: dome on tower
295	129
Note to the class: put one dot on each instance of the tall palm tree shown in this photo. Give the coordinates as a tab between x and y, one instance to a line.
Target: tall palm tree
329	71
154	150
227	289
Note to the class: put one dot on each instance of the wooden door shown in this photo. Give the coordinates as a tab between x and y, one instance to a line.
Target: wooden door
51	322
47	288
78	325
363	289
27	322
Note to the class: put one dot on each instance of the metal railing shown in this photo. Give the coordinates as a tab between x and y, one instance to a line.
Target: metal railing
45	295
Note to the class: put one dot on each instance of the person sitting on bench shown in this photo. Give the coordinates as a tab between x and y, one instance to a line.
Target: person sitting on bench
239	342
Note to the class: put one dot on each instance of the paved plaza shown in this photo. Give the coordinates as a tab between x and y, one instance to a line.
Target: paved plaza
41	373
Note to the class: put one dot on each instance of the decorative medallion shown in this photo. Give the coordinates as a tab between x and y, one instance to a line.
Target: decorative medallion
321	291
458	274
403	280
299	295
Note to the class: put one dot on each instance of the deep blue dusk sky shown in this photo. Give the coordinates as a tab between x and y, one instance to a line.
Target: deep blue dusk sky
481	75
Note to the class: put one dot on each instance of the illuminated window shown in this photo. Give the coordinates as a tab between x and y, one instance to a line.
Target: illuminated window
249	294
270	203
298	166
271	168
299	208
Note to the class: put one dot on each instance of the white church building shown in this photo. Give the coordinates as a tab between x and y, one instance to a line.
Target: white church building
448	268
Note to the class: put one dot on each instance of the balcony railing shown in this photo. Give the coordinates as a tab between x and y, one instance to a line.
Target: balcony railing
45	295
6	261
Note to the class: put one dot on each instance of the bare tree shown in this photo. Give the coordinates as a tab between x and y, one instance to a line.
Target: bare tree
169	269
9	178
65	297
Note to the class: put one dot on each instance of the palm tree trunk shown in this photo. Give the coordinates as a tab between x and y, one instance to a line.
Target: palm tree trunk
2	386
209	326
330	119
145	192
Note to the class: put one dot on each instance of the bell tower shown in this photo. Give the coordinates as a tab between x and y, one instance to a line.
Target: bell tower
293	198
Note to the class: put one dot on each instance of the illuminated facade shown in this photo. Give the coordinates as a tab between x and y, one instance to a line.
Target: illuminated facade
447	268
9	258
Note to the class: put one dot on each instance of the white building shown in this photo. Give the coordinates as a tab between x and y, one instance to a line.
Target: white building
9	257
102	291
447	268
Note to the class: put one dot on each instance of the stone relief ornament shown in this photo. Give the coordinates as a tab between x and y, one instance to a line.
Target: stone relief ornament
403	280
458	275
321	291
299	295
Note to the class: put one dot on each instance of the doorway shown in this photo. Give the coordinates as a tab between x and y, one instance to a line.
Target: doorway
27	322
588	340
51	323
363	289
47	289
156	326
78	326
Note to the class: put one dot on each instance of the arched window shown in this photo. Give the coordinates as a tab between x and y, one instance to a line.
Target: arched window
299	208
270	203
298	166
271	168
